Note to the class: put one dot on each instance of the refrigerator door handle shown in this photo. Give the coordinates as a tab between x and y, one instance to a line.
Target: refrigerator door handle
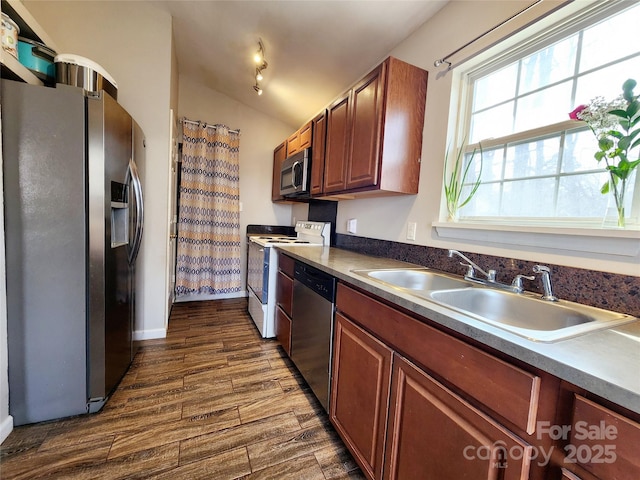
134	180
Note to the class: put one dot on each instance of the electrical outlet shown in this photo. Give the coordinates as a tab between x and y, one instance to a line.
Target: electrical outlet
352	225
411	230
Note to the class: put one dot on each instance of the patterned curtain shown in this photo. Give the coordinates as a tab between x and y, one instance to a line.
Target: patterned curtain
208	258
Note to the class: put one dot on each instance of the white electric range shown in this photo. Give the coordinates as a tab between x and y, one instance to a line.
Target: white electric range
262	269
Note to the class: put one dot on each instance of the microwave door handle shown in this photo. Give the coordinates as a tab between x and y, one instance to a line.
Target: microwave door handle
293	174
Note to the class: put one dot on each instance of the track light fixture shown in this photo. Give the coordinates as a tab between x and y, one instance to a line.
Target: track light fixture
259	59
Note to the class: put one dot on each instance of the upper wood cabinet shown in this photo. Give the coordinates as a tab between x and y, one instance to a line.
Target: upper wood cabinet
366	119
279	156
336	145
369	140
374	132
318	153
299	140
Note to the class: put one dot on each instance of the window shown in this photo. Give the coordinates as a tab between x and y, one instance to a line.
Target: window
538	166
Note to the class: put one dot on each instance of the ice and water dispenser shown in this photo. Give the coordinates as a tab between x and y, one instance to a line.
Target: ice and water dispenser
119	214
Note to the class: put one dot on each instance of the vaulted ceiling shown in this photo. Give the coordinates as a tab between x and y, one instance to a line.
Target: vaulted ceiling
314	48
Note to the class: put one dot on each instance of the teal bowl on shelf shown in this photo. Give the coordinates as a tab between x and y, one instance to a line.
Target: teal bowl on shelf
38	58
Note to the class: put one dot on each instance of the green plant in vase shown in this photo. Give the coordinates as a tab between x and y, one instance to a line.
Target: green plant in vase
456	180
613	125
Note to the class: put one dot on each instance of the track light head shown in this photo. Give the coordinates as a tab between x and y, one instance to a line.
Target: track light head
440	62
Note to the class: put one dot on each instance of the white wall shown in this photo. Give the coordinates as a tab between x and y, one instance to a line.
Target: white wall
132	41
259	135
386	218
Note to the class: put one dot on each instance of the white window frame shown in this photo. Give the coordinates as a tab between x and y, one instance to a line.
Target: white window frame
548	233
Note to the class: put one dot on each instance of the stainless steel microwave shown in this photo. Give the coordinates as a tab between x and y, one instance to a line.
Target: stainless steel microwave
295	175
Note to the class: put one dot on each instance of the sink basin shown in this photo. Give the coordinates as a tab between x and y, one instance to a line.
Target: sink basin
523	314
527	315
416	279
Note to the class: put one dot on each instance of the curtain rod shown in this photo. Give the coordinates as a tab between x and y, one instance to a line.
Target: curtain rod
442	60
205	125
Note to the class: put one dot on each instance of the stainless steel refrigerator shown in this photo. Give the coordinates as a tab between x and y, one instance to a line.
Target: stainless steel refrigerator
73	226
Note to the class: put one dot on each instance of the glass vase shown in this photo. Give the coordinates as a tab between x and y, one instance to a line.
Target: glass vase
614	215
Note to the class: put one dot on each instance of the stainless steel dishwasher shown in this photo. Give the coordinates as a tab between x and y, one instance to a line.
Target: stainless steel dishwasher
312	327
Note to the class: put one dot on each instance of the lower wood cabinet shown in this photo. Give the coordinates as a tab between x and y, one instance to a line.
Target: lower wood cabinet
401	422
412	401
284	301
433	433
429	432
360	393
566	475
602	442
283	329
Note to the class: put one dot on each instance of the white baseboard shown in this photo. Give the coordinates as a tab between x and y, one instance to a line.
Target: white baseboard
6	427
149	334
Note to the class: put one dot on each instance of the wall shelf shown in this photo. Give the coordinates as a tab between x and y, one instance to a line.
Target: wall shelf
12	69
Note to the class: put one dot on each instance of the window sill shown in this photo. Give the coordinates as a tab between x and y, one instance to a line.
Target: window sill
623	242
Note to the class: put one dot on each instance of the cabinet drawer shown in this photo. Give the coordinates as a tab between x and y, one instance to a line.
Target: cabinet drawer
507	390
604	442
286	264
284	293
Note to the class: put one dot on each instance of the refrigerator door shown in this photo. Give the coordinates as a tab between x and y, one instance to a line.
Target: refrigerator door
136	219
110	304
44	180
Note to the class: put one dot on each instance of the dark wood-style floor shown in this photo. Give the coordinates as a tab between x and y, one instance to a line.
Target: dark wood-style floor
211	401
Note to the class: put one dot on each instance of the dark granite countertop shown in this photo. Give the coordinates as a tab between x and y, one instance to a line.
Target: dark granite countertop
604	362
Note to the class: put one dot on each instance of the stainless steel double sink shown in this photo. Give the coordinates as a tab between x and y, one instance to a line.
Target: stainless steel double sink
524	314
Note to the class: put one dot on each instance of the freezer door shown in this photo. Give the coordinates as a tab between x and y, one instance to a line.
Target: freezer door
110	282
46	264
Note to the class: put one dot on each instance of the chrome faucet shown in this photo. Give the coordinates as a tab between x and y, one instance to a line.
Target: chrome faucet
546	282
516	285
472	267
490	281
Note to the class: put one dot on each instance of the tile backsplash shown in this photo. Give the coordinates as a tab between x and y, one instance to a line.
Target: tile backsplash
619	293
